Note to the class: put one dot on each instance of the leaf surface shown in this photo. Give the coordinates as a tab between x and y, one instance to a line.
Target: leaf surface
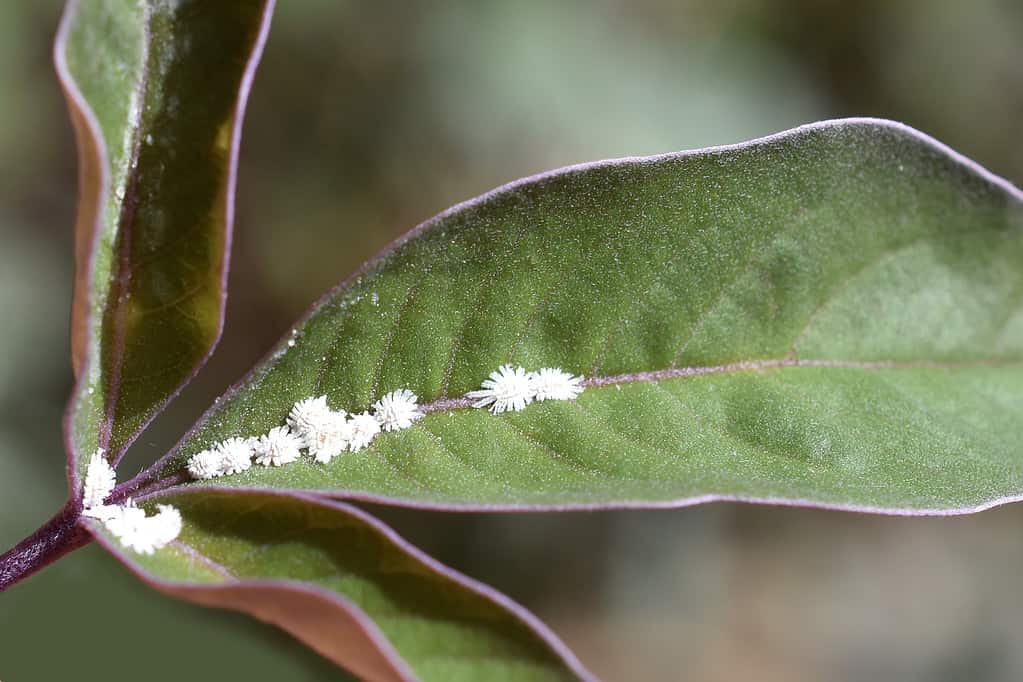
829	316
349	587
156	92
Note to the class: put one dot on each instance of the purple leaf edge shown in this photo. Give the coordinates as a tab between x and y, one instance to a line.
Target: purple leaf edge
364	621
968	164
77	104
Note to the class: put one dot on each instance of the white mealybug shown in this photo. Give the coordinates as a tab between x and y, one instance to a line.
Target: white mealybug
205	464
99	480
508	388
166	524
552	383
365	427
306	415
141	533
127	525
323	432
331	437
279	446
235	455
397	410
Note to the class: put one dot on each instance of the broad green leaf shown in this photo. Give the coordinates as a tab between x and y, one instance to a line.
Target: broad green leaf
350	588
156	92
832	316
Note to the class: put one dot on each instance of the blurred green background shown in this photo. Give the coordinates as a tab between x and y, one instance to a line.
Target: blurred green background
367	118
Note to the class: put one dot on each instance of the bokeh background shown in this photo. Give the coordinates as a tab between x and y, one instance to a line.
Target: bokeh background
368	117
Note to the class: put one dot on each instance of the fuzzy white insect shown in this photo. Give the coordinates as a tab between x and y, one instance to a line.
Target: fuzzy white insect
508	389
331	438
127	523
99	480
279	446
235	455
141	533
365	427
397	410
553	383
166	523
205	464
308	414
323	432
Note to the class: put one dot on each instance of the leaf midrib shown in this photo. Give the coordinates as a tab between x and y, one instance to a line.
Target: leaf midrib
193	552
120	287
175	481
653	376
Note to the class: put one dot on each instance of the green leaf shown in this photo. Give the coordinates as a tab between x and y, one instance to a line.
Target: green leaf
828	316
322	570
156	92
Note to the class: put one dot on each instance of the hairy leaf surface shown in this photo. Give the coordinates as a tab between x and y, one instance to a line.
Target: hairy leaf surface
827	316
350	588
156	92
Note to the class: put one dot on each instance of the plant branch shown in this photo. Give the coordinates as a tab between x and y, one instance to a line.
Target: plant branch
57	537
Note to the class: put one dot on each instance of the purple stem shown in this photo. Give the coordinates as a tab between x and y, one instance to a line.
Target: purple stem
57	537
136	489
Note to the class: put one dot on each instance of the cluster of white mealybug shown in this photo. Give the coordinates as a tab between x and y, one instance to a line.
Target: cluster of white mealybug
509	389
311	426
127	522
322	433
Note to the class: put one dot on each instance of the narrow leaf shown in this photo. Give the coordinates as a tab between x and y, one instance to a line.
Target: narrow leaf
349	587
156	92
828	316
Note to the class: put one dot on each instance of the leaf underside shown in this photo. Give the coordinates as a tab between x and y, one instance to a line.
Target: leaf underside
347	586
830	316
156	92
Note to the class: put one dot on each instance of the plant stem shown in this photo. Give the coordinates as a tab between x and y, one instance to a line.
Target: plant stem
54	539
